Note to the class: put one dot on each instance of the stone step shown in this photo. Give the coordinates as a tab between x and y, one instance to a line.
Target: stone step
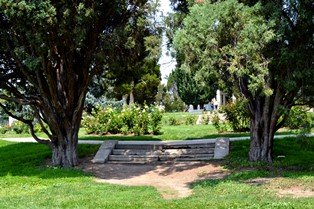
136	152
133	158
163	146
138	146
188	157
162	152
158	157
189	146
193	159
140	162
188	151
144	152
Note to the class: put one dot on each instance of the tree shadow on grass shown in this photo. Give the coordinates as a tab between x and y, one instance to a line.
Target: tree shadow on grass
33	159
292	160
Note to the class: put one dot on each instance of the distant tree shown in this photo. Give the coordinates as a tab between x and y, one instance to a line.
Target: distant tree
264	48
192	89
134	65
168	97
49	53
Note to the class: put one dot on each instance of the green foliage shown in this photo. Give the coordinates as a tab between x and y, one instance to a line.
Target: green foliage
299	119
4	129
174	105
20	128
135	62
156	117
169	99
198	43
129	119
237	115
174	121
221	126
190	120
191	89
262	49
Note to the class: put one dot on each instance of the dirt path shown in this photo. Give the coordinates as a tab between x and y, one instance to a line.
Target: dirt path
172	180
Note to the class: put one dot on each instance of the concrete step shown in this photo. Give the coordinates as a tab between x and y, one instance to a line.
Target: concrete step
162	152
189	146
163	146
133	158
158	151
136	152
138	146
188	151
159	157
186	157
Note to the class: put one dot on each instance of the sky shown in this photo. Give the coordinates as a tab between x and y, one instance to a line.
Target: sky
167	63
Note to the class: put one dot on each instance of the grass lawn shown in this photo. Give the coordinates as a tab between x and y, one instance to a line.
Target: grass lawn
26	182
168	132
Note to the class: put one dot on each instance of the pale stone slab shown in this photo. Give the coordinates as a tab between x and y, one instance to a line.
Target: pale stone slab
221	148
104	151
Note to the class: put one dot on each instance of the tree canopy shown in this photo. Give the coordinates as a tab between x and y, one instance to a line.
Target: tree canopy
264	48
134	64
49	52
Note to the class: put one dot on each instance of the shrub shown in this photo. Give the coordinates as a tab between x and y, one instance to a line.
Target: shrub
141	121
173	121
220	126
4	129
20	128
237	115
155	121
174	105
131	119
90	124
299	119
190	120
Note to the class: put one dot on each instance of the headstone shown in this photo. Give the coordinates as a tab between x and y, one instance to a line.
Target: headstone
199	120
190	108
11	121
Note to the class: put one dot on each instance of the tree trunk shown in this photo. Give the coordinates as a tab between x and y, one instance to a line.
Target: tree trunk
263	127
261	142
64	152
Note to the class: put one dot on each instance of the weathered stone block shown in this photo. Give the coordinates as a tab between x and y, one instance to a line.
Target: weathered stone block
221	148
104	151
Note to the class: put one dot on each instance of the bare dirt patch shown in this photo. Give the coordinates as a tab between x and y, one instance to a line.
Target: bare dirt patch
172	179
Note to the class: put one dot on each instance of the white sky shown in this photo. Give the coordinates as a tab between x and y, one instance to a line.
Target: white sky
167	63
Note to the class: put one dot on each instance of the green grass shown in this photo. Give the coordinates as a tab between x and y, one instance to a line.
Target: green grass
26	182
168	132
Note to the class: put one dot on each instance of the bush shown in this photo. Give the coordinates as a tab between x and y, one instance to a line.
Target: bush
131	119
190	120
220	126
237	115
155	121
174	105
173	121
299	119
20	128
4	129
